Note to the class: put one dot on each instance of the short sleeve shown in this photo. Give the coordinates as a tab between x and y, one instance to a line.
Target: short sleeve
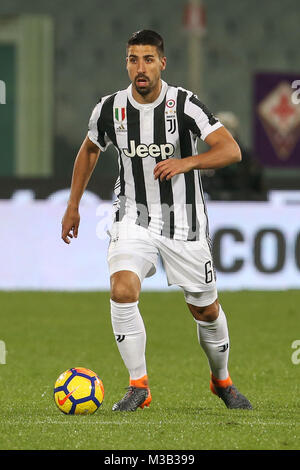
204	122
96	128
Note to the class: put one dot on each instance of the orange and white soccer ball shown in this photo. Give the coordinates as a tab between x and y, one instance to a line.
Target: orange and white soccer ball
78	391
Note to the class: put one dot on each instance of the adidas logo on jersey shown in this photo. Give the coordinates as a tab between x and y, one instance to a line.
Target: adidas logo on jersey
152	150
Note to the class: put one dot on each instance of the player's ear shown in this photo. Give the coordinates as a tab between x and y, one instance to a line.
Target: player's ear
163	63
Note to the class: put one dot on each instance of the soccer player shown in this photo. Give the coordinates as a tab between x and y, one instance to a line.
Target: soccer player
159	210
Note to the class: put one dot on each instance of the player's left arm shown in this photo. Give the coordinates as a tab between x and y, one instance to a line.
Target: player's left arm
223	151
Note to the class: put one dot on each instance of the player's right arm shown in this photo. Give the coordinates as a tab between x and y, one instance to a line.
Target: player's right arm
84	165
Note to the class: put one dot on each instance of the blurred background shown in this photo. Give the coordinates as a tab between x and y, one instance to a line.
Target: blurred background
58	58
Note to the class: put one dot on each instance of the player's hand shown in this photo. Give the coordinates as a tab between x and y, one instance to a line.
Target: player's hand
171	167
70	224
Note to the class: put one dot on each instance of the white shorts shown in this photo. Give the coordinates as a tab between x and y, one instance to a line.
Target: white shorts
188	264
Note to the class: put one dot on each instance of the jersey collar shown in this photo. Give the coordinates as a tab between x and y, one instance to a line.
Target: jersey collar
155	103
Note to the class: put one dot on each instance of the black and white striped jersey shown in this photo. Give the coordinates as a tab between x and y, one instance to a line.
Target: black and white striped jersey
143	135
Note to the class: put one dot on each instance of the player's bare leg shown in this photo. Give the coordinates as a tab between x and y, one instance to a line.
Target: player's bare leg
213	336
130	336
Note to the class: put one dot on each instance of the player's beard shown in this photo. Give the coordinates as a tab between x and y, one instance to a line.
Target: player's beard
143	90
146	89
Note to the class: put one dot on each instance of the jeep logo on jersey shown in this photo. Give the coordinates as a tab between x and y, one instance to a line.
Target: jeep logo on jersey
152	150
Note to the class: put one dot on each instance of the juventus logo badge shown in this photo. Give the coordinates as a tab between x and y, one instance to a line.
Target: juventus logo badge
120	338
172	124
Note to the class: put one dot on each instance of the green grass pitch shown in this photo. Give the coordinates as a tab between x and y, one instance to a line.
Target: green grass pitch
47	333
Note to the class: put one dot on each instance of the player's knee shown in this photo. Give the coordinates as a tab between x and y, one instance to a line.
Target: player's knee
208	313
125	287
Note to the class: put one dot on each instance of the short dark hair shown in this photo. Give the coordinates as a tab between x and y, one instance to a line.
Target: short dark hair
147	37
